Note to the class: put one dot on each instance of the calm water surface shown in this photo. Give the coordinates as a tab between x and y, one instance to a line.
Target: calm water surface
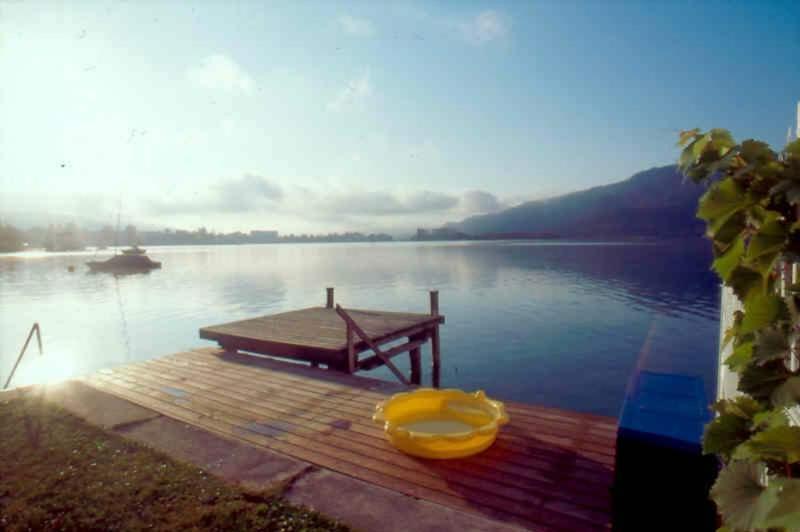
556	323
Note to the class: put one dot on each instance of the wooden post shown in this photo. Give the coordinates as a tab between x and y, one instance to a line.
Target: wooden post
329	302
415	361
435	348
351	353
434	302
367	340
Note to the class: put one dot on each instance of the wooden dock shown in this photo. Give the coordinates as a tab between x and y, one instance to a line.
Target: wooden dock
550	469
337	337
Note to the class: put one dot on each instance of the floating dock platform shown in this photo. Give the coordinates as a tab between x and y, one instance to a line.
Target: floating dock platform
336	337
549	469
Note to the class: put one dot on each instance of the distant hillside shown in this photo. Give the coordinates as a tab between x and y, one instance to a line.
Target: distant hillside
655	203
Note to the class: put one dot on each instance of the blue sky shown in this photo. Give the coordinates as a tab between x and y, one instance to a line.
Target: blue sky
318	116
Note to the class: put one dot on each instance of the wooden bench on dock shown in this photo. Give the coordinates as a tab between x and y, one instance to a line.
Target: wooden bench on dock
337	337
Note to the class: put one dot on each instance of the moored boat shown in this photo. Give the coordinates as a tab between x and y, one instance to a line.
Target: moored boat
134	250
125	264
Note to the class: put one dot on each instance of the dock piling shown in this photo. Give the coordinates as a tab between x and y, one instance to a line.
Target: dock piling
415	358
329	301
435	346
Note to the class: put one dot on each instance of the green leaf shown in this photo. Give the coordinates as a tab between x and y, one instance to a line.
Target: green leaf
722	140
790	189
787	394
740	357
726	229
792	149
761	381
686	136
769	419
699	145
769	239
786	512
733	330
760	310
728	261
756	152
742	280
742	501
724	434
780	444
770	344
741	406
722	199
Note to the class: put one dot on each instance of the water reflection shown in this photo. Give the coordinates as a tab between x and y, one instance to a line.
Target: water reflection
561	324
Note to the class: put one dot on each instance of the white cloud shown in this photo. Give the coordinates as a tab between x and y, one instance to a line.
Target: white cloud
480	202
381	203
360	27
250	193
486	26
219	71
353	95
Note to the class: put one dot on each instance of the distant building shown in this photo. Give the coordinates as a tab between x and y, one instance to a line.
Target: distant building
264	236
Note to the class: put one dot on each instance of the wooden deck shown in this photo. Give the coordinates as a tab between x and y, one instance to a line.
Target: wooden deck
335	337
549	470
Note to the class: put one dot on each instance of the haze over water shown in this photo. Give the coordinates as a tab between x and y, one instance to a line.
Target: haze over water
554	323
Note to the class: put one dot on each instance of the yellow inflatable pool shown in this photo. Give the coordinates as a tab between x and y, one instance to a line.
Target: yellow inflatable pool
441	423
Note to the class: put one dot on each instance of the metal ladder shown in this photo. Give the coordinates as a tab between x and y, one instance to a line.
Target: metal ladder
34	329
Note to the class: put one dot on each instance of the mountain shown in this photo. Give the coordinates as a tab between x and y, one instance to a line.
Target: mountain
655	203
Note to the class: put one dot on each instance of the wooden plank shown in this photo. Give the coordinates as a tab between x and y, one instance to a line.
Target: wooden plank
352	356
376	361
317	453
253	398
469	482
320	327
415	360
237	383
341	407
329	298
359	331
542	421
226	430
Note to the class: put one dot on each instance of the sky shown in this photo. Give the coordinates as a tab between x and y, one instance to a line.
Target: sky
371	116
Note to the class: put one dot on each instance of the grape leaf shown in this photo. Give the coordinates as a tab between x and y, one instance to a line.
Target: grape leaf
722	199
760	381
780	444
787	394
759	310
725	264
769	239
724	434
742	500
740	357
770	344
742	406
742	280
769	419
786	512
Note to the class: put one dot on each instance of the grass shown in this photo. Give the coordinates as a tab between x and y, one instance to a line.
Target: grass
59	473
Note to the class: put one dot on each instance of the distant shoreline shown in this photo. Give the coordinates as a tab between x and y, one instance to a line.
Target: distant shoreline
553	241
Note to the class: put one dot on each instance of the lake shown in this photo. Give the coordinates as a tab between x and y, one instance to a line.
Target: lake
547	322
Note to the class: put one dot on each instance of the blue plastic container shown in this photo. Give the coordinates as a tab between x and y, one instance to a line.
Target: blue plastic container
660	469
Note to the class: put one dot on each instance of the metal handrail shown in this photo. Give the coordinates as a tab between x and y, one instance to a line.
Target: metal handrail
34	328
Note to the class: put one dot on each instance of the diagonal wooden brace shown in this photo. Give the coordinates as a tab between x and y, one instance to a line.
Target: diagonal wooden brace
367	340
